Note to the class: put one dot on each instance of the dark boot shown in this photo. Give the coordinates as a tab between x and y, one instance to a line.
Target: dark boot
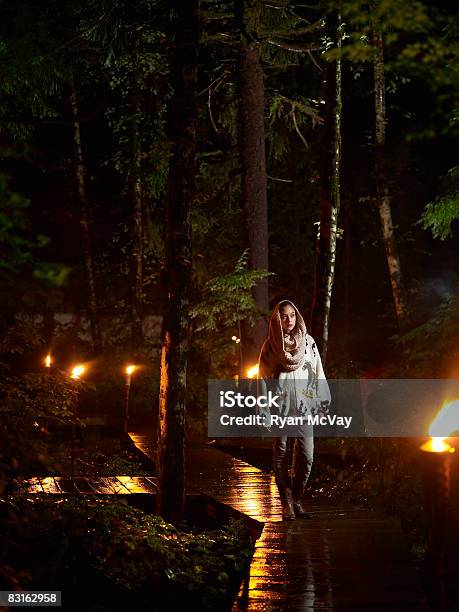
288	512
299	508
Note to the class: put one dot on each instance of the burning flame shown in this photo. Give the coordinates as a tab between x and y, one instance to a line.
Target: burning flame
77	372
48	361
446	421
437	445
130	369
252	372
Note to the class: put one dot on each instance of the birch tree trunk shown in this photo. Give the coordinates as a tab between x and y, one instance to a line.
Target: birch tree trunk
254	178
181	188
330	200
137	195
382	190
80	179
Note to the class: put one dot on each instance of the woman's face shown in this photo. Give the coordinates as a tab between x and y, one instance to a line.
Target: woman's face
288	318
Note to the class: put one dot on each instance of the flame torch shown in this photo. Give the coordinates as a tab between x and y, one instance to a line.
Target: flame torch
130	369
436	464
75	374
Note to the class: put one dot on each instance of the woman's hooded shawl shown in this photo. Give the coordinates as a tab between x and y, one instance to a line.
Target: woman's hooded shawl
282	351
292	362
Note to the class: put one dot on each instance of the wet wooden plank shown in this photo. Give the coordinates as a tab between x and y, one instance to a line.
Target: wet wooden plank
99	485
50	485
32	485
114	484
66	484
136	484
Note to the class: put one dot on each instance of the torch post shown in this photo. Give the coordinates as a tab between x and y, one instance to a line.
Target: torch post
75	375
436	458
129	371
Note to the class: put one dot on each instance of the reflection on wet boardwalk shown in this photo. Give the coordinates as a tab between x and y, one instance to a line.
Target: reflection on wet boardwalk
106	485
344	558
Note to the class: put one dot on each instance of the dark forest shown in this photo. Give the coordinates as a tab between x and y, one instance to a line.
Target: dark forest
169	173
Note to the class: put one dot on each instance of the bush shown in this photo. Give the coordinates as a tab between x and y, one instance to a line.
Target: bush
27	404
120	554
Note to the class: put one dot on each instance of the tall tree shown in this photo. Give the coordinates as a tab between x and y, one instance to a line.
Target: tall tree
137	215
80	180
129	40
330	194
181	189
383	198
253	166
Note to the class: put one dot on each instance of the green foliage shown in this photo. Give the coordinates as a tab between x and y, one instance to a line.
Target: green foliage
420	43
33	68
224	302
129	555
27	404
131	48
227	299
16	246
51	273
288	117
109	378
94	456
431	347
440	214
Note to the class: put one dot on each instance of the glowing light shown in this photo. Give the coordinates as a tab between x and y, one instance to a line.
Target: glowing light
48	361
437	445
130	369
447	420
235	339
77	372
252	372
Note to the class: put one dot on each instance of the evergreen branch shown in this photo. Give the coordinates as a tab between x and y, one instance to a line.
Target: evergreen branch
297	129
225	39
291	46
314	61
280	180
209	104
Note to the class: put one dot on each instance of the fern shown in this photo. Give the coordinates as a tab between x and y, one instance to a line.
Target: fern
227	299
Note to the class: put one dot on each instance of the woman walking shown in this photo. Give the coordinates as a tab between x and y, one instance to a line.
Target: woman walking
289	358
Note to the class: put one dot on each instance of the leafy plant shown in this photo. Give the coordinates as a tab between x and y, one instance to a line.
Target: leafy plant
227	299
127	554
439	215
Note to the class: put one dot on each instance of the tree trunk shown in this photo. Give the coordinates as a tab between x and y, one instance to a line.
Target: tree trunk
382	191
347	271
137	292
330	199
80	174
254	178
181	188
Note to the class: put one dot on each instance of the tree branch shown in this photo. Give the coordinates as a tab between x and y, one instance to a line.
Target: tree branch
297	129
291	45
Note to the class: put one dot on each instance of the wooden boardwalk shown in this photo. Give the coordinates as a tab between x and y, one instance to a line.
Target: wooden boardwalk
344	558
106	485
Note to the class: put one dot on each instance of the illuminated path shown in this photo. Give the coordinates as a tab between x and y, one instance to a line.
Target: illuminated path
344	558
